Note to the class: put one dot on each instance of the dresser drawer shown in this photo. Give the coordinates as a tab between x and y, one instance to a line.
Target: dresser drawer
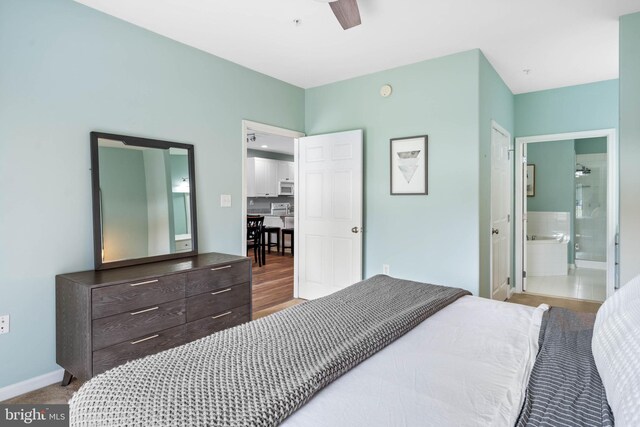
220	276
133	296
217	302
209	325
118	354
128	326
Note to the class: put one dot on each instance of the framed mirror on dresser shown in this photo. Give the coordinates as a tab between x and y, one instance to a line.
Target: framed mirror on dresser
151	290
144	200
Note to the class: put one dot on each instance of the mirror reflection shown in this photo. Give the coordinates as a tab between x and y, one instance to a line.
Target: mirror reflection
145	200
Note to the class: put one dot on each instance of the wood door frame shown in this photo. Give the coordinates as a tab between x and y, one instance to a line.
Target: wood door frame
262	127
613	207
503	131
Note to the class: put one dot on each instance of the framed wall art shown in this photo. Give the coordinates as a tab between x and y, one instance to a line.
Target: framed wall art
409	164
531	180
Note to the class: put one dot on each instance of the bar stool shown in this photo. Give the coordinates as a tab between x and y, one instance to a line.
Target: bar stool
268	231
287	231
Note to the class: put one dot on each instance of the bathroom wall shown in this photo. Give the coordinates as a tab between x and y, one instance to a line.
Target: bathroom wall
591	145
554	181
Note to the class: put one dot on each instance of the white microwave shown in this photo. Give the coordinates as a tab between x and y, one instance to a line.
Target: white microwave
285	188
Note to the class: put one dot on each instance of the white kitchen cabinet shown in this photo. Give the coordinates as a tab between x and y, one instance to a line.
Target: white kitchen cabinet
286	171
262	177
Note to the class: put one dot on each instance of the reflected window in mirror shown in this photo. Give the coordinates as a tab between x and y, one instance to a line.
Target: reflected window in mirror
144	200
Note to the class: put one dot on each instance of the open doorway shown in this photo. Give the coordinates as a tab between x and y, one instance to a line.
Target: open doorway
269	205
566	206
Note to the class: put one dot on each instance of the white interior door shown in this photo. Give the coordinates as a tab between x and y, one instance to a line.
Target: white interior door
500	213
329	213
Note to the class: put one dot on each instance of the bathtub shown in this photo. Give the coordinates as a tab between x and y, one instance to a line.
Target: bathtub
547	255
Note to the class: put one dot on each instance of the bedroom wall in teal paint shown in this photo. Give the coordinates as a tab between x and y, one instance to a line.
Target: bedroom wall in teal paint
570	109
496	103
67	70
629	146
431	238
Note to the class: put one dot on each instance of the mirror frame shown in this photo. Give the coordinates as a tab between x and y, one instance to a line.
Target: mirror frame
95	189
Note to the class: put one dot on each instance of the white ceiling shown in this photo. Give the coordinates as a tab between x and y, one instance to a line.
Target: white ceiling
270	142
562	42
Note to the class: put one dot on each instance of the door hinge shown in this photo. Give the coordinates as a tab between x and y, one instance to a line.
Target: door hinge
508	217
508	280
524	274
524	159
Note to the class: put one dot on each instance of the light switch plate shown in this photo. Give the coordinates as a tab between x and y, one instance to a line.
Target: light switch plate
225	200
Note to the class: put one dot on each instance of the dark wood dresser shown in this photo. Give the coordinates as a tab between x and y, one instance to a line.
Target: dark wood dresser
106	318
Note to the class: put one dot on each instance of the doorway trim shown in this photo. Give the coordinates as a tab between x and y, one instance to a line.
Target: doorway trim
274	130
612	198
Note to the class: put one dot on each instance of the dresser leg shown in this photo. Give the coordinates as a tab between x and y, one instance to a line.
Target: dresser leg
68	376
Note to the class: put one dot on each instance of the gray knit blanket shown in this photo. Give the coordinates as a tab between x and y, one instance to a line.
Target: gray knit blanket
259	373
565	388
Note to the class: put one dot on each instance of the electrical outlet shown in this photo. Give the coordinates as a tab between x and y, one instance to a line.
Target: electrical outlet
385	269
4	324
225	200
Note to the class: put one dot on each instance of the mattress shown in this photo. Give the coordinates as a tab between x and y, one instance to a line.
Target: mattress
467	365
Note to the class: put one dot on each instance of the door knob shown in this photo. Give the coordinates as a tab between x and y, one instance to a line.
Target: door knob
355	230
495	231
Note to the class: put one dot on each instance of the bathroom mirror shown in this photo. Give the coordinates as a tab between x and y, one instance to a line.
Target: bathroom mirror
144	201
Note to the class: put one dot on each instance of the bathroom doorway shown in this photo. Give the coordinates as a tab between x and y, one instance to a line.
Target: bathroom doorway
566	215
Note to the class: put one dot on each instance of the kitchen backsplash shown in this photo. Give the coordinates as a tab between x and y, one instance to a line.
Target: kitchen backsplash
263	204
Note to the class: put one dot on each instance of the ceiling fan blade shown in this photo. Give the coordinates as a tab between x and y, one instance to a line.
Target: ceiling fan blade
347	13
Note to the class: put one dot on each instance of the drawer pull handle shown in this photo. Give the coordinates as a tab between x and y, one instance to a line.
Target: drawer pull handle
144	311
220	292
144	283
221	268
222	315
145	339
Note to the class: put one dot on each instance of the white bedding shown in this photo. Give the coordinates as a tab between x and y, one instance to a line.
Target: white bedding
467	365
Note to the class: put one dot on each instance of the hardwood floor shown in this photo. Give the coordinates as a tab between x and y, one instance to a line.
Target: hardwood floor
572	304
276	308
273	282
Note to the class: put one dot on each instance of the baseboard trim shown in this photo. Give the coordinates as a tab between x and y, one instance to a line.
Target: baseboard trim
591	264
31	384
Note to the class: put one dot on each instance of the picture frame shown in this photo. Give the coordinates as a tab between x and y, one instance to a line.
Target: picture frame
409	165
531	180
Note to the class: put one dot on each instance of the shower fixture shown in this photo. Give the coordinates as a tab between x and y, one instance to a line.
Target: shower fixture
582	170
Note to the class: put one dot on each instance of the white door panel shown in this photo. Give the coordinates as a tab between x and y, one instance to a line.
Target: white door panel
500	213
330	210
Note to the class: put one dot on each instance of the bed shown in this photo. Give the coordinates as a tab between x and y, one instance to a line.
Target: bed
387	352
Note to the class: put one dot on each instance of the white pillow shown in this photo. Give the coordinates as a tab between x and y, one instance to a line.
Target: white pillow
616	350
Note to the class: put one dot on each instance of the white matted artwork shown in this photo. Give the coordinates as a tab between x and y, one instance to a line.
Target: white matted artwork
409	165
